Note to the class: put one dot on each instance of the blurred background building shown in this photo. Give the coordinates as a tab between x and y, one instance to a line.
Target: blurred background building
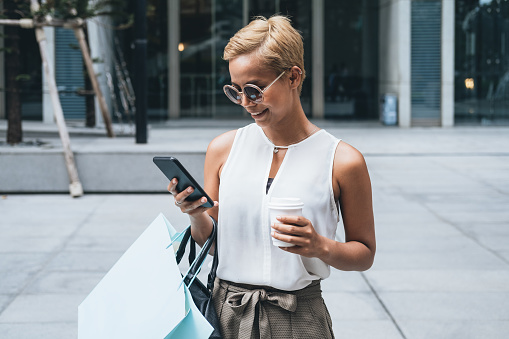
446	61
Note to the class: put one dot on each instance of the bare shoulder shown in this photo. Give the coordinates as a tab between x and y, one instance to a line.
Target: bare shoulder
222	143
348	156
219	149
348	163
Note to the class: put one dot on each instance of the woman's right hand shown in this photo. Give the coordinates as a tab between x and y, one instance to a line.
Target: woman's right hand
188	207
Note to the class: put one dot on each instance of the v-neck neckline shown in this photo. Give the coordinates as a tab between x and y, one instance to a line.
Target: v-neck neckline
268	141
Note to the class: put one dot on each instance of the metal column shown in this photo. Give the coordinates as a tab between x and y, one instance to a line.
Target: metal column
317	57
173	59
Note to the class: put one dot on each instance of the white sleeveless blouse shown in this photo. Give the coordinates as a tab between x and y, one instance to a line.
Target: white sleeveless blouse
246	253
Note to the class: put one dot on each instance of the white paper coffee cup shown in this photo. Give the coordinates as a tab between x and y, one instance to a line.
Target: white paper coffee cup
281	207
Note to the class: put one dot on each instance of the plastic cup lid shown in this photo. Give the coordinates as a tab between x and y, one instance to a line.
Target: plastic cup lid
286	202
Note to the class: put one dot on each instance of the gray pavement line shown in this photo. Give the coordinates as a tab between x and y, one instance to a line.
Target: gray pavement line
495	253
55	253
471	177
447	221
389	314
338	238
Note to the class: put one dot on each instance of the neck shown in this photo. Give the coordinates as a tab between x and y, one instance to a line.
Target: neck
291	131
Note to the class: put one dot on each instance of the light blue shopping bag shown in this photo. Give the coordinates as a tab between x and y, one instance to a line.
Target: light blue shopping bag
142	295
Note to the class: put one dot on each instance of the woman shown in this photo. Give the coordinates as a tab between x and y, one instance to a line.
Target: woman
264	291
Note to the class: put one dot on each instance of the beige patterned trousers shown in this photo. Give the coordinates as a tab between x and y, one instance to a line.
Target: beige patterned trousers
260	312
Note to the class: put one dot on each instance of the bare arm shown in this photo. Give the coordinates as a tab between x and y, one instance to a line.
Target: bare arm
217	153
352	187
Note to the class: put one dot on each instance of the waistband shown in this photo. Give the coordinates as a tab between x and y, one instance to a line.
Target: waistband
312	290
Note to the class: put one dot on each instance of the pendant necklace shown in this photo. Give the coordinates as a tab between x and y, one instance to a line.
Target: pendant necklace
277	148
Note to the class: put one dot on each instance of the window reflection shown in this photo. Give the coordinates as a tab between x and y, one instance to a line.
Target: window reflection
351	59
482	61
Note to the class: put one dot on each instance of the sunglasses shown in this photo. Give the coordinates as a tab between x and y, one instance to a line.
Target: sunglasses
252	92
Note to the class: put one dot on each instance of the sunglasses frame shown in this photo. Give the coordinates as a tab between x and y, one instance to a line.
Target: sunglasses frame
256	101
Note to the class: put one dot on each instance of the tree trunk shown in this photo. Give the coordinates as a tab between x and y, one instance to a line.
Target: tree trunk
12	70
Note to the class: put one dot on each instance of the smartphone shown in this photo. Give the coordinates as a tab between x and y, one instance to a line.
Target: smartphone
172	168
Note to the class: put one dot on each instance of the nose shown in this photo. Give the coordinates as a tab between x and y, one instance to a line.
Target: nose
245	102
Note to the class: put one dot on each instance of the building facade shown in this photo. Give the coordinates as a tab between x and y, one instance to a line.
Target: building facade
445	61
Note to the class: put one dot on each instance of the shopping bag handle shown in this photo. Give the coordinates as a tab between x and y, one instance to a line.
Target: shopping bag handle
195	263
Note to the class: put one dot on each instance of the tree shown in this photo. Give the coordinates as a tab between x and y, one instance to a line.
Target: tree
57	9
13	9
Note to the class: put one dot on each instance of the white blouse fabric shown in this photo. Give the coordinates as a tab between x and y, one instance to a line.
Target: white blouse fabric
246	253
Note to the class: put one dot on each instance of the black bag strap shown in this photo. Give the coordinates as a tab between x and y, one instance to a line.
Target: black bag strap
215	260
202	255
182	247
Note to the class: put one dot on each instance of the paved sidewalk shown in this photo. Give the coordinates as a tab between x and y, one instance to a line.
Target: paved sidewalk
441	200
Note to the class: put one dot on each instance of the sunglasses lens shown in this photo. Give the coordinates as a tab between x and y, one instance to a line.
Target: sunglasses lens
232	94
253	94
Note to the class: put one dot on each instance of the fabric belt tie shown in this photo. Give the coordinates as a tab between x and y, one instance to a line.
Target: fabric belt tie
246	303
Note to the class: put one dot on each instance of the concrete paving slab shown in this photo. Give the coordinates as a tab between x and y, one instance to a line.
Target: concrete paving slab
400	216
504	254
354	306
471	329
5	299
52	228
109	227
388	203
39	331
454	204
29	243
478	230
471	164
48	308
429	243
365	329
340	281
415	228
90	261
100	243
50	282
439	280
471	259
488	306
495	242
17	268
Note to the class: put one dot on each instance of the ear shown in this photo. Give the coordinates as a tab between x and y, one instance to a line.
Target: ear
295	77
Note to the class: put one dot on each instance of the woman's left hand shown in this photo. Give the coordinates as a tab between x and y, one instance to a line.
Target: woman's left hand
299	231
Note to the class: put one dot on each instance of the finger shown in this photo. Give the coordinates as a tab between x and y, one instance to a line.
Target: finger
288	229
293	219
195	206
203	200
299	242
199	204
172	187
289	238
182	196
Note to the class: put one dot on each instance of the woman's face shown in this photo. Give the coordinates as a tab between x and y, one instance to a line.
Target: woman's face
247	69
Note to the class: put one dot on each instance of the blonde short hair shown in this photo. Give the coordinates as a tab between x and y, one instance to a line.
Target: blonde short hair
278	45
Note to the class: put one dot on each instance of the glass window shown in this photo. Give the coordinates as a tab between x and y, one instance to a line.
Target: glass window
157	59
206	27
351	59
482	62
227	20
299	12
31	83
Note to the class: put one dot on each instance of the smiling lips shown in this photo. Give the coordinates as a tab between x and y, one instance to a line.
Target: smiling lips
253	114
